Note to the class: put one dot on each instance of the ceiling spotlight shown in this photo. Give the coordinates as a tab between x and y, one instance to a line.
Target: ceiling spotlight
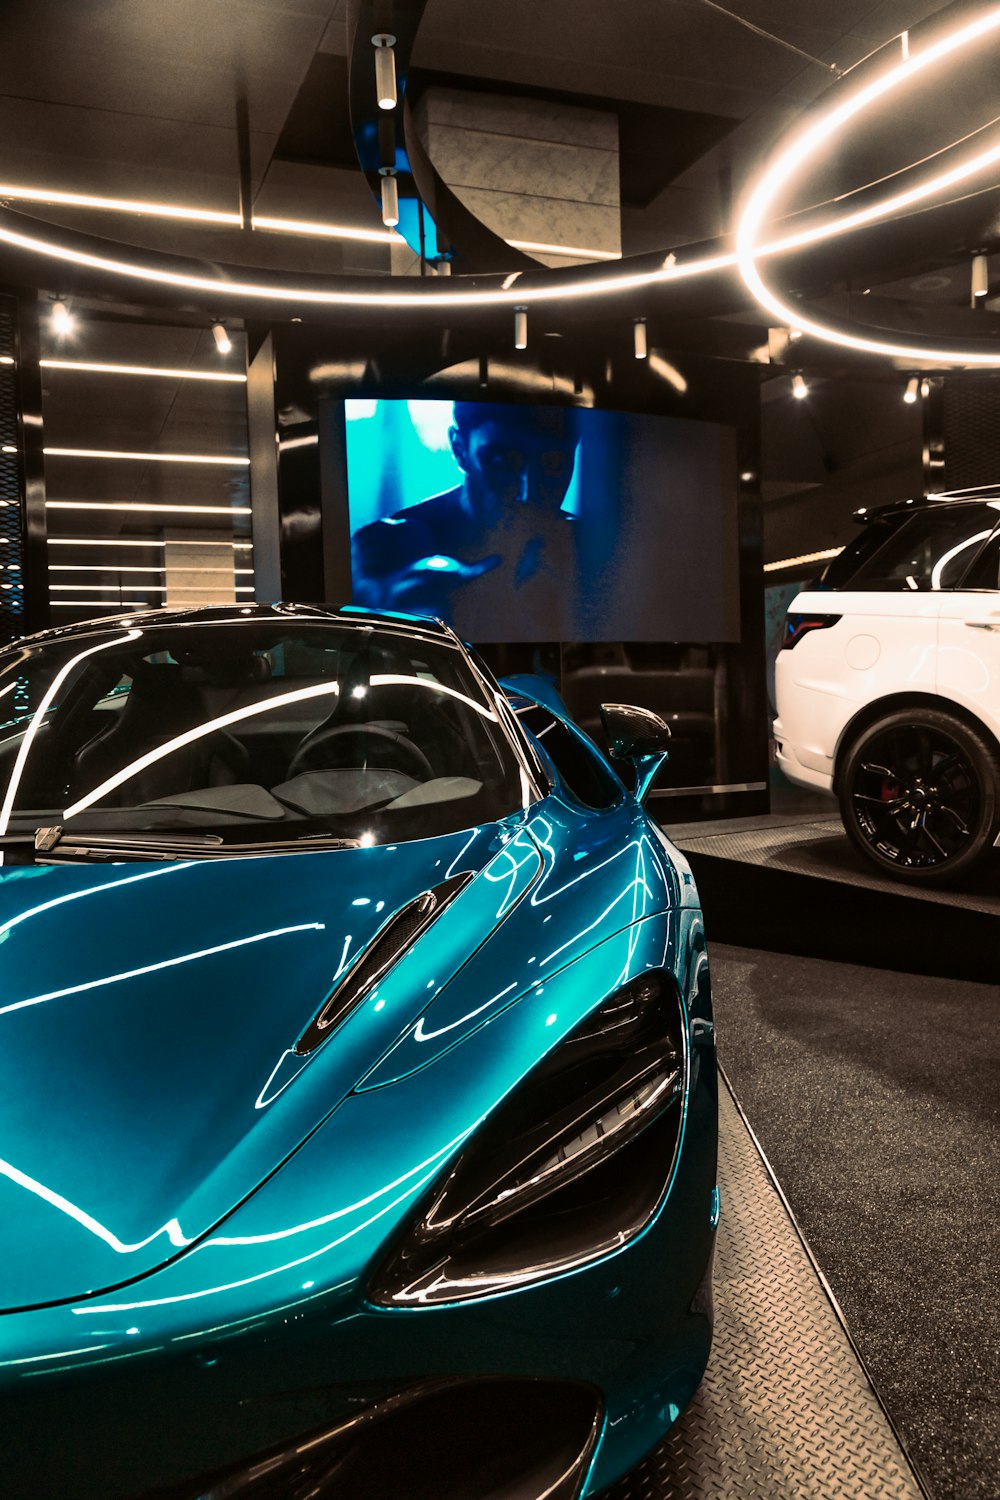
63	321
799	388
223	342
639	338
980	276
390	197
912	389
520	328
925	388
385	69
794	333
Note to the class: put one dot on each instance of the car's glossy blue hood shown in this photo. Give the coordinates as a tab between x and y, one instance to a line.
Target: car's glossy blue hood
147	1017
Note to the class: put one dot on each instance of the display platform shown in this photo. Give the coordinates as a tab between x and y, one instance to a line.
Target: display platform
786	1410
793	883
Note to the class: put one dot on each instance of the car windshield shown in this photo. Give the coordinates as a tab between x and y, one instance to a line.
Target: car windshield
249	732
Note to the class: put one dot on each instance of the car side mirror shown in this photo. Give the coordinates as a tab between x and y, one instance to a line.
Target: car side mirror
638	736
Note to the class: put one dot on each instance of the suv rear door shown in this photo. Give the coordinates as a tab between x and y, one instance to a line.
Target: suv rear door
968	667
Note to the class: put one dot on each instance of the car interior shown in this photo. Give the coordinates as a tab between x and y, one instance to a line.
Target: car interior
262	733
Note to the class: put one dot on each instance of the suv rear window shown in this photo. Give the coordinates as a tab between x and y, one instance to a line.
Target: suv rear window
933	548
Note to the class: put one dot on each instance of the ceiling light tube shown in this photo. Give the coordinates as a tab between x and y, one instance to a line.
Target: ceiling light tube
321	230
149	509
799	388
639	338
116	567
807	557
390	197
169	372
385	69
118	541
233	460
116	205
571	252
980	276
520	328
223	342
151	588
912	389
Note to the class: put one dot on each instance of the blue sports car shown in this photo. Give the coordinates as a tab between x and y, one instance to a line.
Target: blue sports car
357	1073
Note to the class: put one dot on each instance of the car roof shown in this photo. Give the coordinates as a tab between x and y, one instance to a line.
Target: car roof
940	499
220	614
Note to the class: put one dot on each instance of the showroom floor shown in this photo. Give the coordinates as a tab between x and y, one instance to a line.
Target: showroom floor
876	1097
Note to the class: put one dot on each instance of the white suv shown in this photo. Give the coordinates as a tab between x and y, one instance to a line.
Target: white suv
888	686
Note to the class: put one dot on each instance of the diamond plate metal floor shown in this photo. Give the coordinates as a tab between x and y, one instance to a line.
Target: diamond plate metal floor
785	1411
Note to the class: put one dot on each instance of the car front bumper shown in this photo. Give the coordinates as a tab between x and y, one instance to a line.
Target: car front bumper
621	1344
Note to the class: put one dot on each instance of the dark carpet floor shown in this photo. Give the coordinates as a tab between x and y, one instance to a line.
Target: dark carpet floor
876	1098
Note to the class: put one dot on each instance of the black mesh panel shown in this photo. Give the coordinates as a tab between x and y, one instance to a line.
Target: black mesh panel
971	427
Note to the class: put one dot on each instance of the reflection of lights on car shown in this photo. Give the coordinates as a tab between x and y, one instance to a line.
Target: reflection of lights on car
270	1221
235	716
166	963
47	701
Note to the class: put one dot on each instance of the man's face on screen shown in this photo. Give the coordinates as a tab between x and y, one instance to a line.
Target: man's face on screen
506	467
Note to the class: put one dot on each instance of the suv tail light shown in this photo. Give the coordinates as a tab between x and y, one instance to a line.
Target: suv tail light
796	626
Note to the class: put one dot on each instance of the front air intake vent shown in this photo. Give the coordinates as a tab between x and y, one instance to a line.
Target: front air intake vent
386	948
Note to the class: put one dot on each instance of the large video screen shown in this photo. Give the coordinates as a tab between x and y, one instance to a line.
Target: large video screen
544	523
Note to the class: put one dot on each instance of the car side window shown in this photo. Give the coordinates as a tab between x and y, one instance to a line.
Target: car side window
931	549
985	571
582	767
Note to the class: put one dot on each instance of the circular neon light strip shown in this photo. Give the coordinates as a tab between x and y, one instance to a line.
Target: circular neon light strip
796	156
746	255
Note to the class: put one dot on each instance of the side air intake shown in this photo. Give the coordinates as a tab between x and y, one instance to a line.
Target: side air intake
386	948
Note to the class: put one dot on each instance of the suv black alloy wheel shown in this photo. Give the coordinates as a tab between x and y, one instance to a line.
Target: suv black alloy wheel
920	795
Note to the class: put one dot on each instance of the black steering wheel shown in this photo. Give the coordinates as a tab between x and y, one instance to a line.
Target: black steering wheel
317	740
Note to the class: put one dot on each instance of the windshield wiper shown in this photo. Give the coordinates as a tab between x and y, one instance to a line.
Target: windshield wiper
54	844
184	846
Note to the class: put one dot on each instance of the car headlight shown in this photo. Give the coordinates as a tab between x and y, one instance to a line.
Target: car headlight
570	1166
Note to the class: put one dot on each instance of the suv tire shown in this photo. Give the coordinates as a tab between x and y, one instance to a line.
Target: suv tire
920	795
